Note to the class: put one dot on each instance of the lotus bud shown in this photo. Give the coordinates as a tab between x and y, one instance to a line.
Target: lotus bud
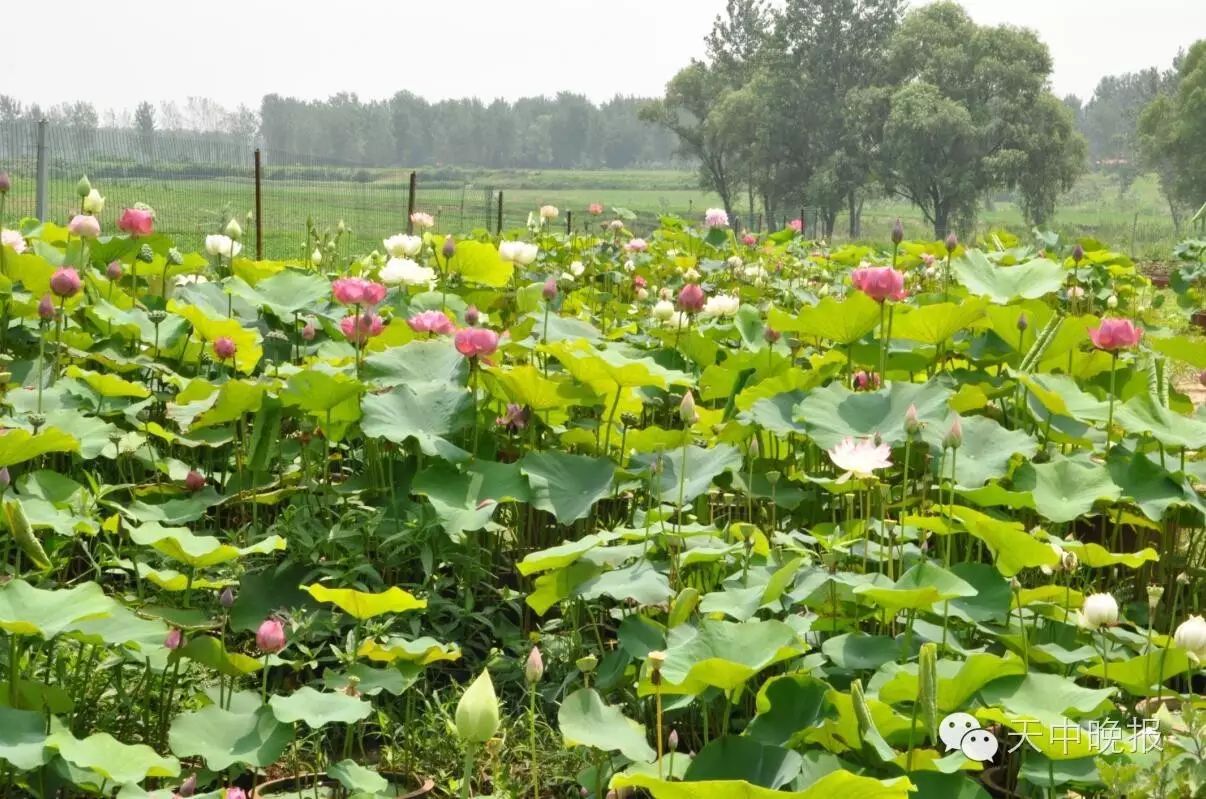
83	188
1078	254
477	713
194	481
308	331
898	232
1154	592
146	254
587	663
316	257
449	248
533	668
188	787
954	436
1112	301
686	409
5	478
94	203
1100	610
113	270
1190	635
927	691
771	335
912	423
6	182
65	282
233	230
642	294
46	308
227	598
174	257
691	298
472	315
341	227
549	292
270	637
754	448
952	243
1023	321
175	639
672	740
1069	561
224	347
235	793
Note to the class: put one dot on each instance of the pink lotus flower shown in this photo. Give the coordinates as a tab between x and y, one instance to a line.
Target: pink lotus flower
357	291
716	217
636	245
84	226
423	220
749	239
860	458
797	225
639	282
359	328
65	282
1115	334
224	347
431	322
691	299
194	481
864	381
235	793
476	342
595	209
137	222
515	419
175	639
14	239
270	637
879	282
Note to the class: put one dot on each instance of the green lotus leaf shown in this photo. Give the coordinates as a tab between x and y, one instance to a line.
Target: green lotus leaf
1181	348
370	681
210	652
235	399
418	361
1095	556
1150	486
285	293
355	777
723	654
317	709
526	386
422	651
861	652
640	583
1142	675
466	498
198	551
1054	736
120	763
19	525
701	466
934	324
605	371
428	412
1066	488
479	262
18	445
1001	284
732	758
1013	548
786	706
841	321
317	391
107	384
22	738
985	453
171	580
833	413
1036	694
25	610
362	605
837	783
564	554
211	327
567	485
586	720
917	589
958	680
223	738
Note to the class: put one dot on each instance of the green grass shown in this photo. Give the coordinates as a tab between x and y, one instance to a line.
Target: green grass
375	205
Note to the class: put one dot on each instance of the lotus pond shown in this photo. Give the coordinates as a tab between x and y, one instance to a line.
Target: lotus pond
703	516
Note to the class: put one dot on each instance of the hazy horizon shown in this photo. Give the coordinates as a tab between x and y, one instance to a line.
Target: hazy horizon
625	47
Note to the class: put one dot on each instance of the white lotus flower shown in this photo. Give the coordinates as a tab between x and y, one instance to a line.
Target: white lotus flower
403	246
576	269
680	321
94	203
218	244
403	271
519	252
1190	635
735	262
1099	610
860	458
14	239
720	305
548	212
663	310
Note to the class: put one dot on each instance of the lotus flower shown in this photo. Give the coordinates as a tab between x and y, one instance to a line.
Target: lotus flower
403	246
691	298
1113	335
1190	635
359	328
515	419
860	458
749	239
1099	610
519	252
595	209
716	218
533	668
476	342
636	245
174	639
13	239
84	226
65	282
357	291
549	212
797	225
405	272
224	347
138	222
423	220
431	322
219	245
721	305
879	282
865	381
270	637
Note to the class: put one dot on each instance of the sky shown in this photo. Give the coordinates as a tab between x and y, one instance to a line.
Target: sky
235	51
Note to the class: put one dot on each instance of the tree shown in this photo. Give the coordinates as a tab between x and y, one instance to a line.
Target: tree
144	121
1053	157
1110	120
963	122
1172	134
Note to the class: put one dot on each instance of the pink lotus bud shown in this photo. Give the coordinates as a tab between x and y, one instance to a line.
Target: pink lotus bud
476	342
235	793
954	437
672	740
952	243
549	292
227	598
224	347
5	478
533	669
449	247
357	291
270	637
113	271
175	639
691	299
472	315
187	788
359	328
749	239
194	481
138	222
84	226
686	409
1023	321
65	282
912	423
1078	254
797	225
46	308
771	335
308	331
898	231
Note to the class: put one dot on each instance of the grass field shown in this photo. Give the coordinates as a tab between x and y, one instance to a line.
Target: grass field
374	206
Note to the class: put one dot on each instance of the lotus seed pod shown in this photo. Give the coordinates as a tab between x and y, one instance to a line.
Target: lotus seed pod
146	254
174	257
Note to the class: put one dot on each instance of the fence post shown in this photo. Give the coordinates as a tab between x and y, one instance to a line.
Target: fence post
569	223
259	209
43	183
410	203
498	231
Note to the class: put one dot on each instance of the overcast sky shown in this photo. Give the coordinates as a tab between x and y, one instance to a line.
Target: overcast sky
235	51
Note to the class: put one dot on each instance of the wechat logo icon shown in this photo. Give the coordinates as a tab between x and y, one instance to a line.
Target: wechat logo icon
961	731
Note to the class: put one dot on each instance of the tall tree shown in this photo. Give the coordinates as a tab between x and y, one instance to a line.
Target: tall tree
1172	131
144	121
